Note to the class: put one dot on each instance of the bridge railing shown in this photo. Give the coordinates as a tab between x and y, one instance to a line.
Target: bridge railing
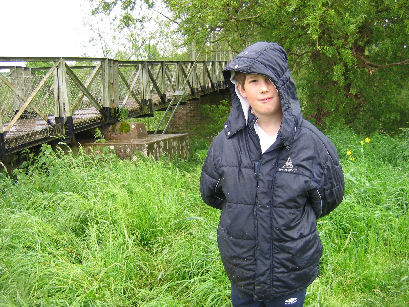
68	95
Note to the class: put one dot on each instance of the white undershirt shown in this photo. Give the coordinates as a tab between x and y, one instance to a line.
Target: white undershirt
266	140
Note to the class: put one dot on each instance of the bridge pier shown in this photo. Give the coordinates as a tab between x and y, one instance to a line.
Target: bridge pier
125	143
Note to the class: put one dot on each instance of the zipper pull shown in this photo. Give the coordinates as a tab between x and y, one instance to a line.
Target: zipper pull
256	167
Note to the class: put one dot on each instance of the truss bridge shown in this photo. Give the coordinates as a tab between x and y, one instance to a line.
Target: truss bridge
48	99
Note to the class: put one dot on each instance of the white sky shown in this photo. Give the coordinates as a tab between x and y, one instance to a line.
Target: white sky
55	28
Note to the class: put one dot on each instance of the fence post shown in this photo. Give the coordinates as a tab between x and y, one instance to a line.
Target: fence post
58	105
193	75
193	80
109	84
115	90
106	95
204	79
146	102
63	116
163	82
150	101
178	76
69	121
214	73
220	74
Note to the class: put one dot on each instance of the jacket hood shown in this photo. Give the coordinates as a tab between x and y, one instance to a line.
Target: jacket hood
268	59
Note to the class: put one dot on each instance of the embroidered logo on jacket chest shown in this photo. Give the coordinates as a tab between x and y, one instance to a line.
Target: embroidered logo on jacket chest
288	166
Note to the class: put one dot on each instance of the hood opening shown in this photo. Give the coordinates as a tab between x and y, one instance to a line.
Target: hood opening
270	60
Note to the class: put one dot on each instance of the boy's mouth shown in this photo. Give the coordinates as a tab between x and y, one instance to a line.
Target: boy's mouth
266	99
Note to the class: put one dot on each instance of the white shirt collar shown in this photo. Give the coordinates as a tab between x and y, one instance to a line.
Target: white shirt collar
266	140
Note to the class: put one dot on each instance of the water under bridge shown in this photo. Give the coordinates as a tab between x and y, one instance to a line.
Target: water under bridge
60	97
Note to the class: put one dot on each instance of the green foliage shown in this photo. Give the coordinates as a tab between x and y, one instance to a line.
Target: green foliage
123	114
94	230
39	64
99	137
350	58
140	33
371	219
124	127
216	116
151	123
83	230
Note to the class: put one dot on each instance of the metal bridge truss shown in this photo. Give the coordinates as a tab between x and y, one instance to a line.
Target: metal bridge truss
63	96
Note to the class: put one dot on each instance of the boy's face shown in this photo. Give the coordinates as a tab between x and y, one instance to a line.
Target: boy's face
261	95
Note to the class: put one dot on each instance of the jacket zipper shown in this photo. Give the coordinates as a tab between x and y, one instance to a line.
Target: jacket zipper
275	167
256	168
256	173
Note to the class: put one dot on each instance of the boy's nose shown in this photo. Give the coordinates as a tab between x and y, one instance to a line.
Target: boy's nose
264	87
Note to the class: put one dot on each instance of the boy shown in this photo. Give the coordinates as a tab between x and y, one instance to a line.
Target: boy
273	174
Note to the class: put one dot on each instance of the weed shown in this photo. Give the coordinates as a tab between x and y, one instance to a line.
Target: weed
99	137
124	127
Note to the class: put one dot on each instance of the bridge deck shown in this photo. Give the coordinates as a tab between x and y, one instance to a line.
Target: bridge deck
27	132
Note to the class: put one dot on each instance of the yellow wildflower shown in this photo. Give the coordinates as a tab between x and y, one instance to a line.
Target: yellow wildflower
367	140
362	143
349	152
352	159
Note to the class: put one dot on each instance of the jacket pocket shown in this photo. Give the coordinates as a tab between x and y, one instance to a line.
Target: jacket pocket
293	223
238	221
298	254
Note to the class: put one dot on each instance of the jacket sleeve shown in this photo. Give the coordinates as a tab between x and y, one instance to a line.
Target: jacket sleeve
329	189
210	181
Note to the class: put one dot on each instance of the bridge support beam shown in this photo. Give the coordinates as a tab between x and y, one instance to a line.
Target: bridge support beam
194	83
69	130
61	104
163	97
110	115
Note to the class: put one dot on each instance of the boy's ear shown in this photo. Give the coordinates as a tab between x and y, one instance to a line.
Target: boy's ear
241	90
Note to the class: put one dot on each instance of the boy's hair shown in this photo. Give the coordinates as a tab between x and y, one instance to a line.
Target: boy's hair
240	77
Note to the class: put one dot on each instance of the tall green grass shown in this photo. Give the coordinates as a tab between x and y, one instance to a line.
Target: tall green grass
79	230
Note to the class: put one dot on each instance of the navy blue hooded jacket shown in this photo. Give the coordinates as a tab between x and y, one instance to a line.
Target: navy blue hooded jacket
270	201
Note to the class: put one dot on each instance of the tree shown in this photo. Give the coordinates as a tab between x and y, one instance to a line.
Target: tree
349	57
136	31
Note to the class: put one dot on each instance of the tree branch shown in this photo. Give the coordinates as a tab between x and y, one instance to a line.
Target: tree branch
298	55
373	66
168	18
